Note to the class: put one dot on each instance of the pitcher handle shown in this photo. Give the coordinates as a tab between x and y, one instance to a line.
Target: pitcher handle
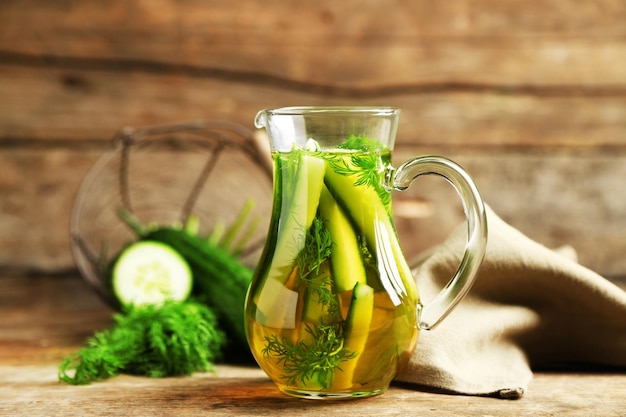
437	309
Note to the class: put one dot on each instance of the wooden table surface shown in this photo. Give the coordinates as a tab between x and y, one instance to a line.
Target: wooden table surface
44	319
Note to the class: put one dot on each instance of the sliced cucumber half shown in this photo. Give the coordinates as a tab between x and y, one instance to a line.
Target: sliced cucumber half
150	272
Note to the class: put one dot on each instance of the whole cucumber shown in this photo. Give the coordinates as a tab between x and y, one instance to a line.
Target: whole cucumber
219	280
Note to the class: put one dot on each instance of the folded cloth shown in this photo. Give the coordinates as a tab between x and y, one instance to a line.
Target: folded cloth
531	308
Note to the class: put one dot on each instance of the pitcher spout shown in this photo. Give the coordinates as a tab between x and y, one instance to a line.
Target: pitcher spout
260	120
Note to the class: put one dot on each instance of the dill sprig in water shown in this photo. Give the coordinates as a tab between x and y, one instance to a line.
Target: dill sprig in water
365	165
316	250
303	362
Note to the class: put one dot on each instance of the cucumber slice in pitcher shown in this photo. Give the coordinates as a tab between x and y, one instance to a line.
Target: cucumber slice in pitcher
150	272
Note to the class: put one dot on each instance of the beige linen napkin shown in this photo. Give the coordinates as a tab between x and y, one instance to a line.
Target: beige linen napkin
530	308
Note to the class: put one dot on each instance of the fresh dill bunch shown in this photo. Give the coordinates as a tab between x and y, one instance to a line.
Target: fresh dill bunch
172	339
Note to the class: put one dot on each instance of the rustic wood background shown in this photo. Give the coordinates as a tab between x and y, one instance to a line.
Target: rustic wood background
529	96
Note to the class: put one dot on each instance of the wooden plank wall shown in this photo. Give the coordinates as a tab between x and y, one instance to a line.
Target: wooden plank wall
529	96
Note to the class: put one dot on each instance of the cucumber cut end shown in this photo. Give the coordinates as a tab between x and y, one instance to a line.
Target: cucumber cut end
150	272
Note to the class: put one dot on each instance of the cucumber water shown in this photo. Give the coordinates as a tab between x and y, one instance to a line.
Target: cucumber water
332	305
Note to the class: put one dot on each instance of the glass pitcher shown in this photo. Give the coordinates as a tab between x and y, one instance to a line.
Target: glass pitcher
333	310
